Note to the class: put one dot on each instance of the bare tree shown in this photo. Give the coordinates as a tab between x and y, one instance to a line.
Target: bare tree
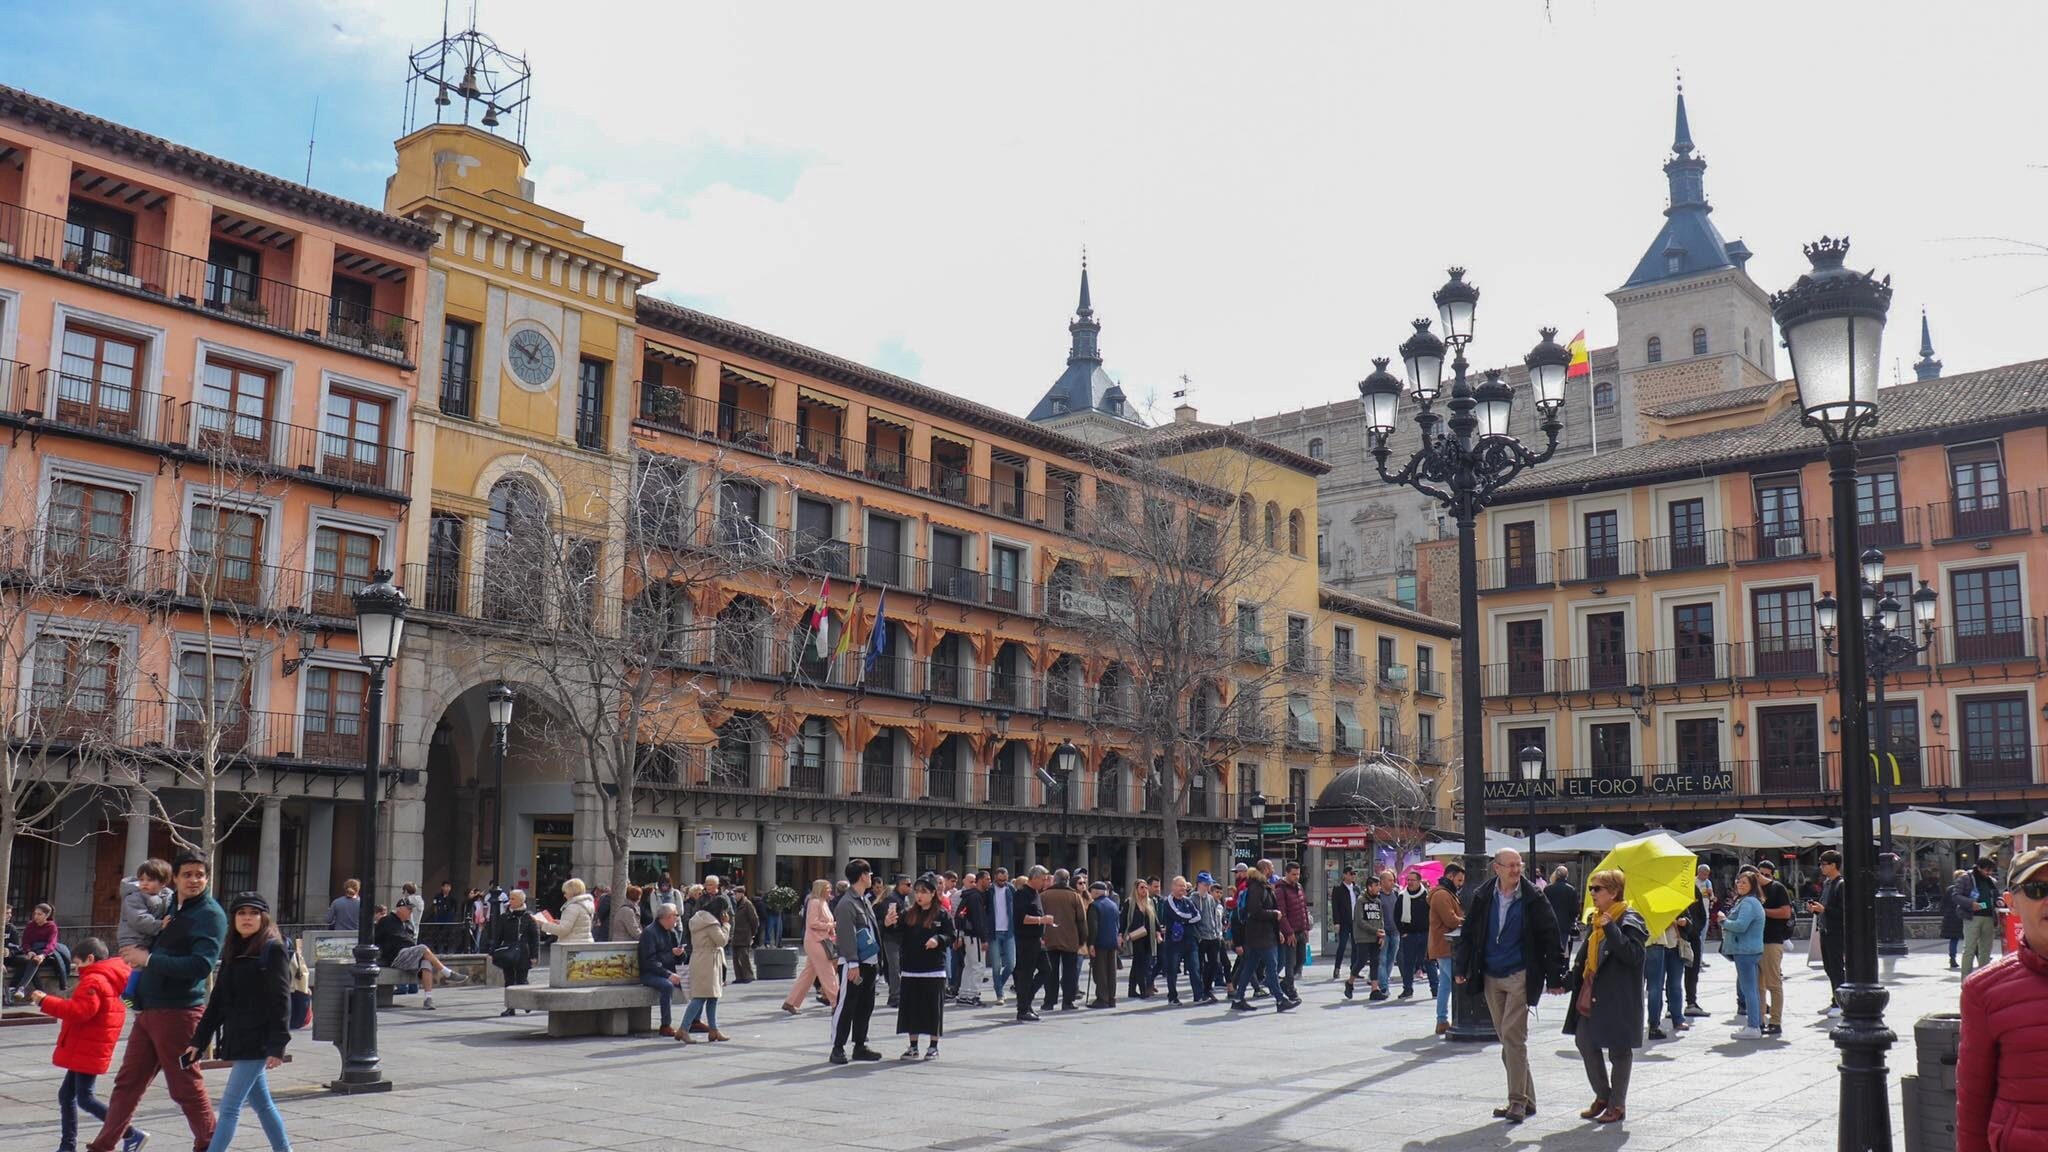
1166	567
656	582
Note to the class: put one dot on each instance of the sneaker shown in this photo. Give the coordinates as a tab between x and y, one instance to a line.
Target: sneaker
1406	994
1379	994
1749	1033
1774	1029
134	1140
1834	1010
1655	1034
1240	1006
428	1003
863	1052
932	1053
838	1054
909	1053
1286	1005
452	978
1347	990
1696	1010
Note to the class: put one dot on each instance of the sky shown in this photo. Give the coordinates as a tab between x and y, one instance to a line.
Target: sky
1266	193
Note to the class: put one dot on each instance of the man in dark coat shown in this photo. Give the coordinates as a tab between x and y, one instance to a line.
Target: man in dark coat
1343	905
1260	915
1508	949
1565	905
1830	912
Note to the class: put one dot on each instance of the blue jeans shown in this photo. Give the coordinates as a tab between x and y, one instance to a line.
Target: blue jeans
708	1008
1174	957
1340	951
1263	965
1664	982
660	984
1002	958
1414	955
1746	971
772	929
247	1084
1390	954
74	1095
1446	982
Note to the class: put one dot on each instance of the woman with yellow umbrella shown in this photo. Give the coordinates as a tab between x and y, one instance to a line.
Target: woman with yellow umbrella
1605	991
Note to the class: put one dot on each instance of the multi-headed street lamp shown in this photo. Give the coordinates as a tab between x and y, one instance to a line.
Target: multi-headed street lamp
1465	458
1833	323
380	625
1888	644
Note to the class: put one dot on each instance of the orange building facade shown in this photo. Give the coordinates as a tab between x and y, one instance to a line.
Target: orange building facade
206	376
1649	614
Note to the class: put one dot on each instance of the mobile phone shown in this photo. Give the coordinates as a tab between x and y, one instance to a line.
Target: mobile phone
185	1060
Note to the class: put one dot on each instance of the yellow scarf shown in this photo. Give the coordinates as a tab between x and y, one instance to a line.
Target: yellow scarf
1599	932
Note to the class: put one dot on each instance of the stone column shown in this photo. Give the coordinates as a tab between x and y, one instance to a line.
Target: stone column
906	852
1030	850
590	855
138	830
1084	850
842	849
319	859
687	874
1130	863
764	854
76	854
270	849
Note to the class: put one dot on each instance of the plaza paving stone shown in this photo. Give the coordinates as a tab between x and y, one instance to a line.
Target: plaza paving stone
1332	1075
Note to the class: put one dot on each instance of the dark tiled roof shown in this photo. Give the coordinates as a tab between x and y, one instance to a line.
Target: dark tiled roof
1385	611
225	175
1717	401
1195	435
1922	412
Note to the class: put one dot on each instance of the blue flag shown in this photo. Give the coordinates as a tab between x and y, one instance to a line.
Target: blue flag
878	640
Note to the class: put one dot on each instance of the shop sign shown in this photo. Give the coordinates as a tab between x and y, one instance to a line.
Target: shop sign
728	838
871	844
1706	782
652	834
1349	837
803	840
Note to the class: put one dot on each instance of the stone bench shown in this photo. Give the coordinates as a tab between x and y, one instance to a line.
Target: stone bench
331	945
592	990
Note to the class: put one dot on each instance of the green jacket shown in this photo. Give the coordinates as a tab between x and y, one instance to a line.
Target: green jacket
182	956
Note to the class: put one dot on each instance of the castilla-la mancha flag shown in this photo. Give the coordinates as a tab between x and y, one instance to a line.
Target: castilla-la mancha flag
1581	365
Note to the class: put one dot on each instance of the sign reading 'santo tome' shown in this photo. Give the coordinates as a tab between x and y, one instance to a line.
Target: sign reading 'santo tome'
1614	788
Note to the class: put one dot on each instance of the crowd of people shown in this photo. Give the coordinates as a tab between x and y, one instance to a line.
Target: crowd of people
1047	940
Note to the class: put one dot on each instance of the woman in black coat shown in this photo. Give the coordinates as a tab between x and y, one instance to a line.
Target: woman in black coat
927	931
1605	992
246	1019
514	941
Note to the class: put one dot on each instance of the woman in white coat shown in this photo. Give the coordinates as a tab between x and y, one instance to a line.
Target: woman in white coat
578	912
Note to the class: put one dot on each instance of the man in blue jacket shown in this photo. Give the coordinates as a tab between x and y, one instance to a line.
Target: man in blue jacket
169	999
1100	943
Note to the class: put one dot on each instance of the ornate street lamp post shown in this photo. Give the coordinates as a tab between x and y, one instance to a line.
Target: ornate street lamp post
380	625
1464	460
1532	776
1888	644
499	704
1833	322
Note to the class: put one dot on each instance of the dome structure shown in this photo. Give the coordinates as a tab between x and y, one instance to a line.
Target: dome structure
1374	791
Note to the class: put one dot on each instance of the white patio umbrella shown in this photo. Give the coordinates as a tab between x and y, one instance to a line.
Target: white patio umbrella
2037	828
1920	824
1495	841
1740	832
1973	828
1595	841
1807	832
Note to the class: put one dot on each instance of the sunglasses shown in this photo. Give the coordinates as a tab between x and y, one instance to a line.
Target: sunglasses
2034	889
1596	888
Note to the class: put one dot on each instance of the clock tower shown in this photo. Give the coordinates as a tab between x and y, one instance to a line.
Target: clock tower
523	445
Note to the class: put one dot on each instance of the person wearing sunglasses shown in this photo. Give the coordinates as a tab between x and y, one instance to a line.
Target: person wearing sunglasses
1605	990
2001	1081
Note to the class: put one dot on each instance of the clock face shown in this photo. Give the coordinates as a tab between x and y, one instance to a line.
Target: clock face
531	356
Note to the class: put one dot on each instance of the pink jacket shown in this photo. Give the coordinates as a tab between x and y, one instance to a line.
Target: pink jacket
819	925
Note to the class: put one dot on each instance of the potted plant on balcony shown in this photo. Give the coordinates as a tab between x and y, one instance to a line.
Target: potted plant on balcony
388	340
771	959
247	308
107	266
665	405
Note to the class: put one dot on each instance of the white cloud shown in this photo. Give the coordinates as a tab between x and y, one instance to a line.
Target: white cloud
1267	192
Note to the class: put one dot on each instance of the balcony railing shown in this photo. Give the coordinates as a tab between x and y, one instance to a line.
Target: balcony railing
1534	677
175	729
1690	664
1303	658
1782	656
1253	647
672	409
1886	528
1598	562
232	440
1429	682
949	680
50	242
1007	689
1803	775
1346	666
1434	751
1997	767
121	412
1976	517
1766	543
1391	679
14	387
1613	672
1988	641
1703	549
1502	573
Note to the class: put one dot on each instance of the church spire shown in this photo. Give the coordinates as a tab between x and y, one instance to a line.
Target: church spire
1681	138
1688	243
1686	171
1928	368
1084	327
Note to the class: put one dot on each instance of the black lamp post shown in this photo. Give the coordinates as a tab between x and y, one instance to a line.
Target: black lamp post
1462	463
1888	643
499	704
1532	777
1258	807
380	625
1833	322
1067	759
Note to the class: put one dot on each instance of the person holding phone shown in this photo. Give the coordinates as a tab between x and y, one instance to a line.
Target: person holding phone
246	1021
927	934
858	947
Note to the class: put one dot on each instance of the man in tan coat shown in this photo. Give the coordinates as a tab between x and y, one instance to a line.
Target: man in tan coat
1446	915
1069	912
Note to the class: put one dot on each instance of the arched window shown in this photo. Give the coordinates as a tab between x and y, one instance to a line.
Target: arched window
1315	448
1109	784
1656	350
1272	525
1246	530
1745	341
1294	533
1603	395
516	549
1699	341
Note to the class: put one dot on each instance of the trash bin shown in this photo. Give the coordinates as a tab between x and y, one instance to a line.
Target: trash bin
1931	1116
330	1000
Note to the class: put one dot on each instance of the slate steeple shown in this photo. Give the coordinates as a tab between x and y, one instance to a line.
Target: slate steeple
1688	243
1084	387
1928	367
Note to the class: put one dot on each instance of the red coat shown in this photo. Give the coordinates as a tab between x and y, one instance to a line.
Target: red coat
91	1018
1293	907
2002	1071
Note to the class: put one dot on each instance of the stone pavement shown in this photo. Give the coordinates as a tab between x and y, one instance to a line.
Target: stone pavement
1332	1075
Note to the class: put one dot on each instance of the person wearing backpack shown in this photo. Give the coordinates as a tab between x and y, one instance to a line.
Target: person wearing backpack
245	1021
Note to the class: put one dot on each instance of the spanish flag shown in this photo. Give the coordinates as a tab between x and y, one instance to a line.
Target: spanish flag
846	633
1581	364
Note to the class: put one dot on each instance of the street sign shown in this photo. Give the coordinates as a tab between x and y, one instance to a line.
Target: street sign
1277	829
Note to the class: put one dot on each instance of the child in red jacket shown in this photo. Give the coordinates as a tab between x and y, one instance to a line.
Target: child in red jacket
91	1025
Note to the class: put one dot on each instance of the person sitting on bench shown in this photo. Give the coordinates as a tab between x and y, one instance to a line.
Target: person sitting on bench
398	947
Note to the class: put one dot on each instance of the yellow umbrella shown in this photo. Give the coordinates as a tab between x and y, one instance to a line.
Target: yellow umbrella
1660	879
